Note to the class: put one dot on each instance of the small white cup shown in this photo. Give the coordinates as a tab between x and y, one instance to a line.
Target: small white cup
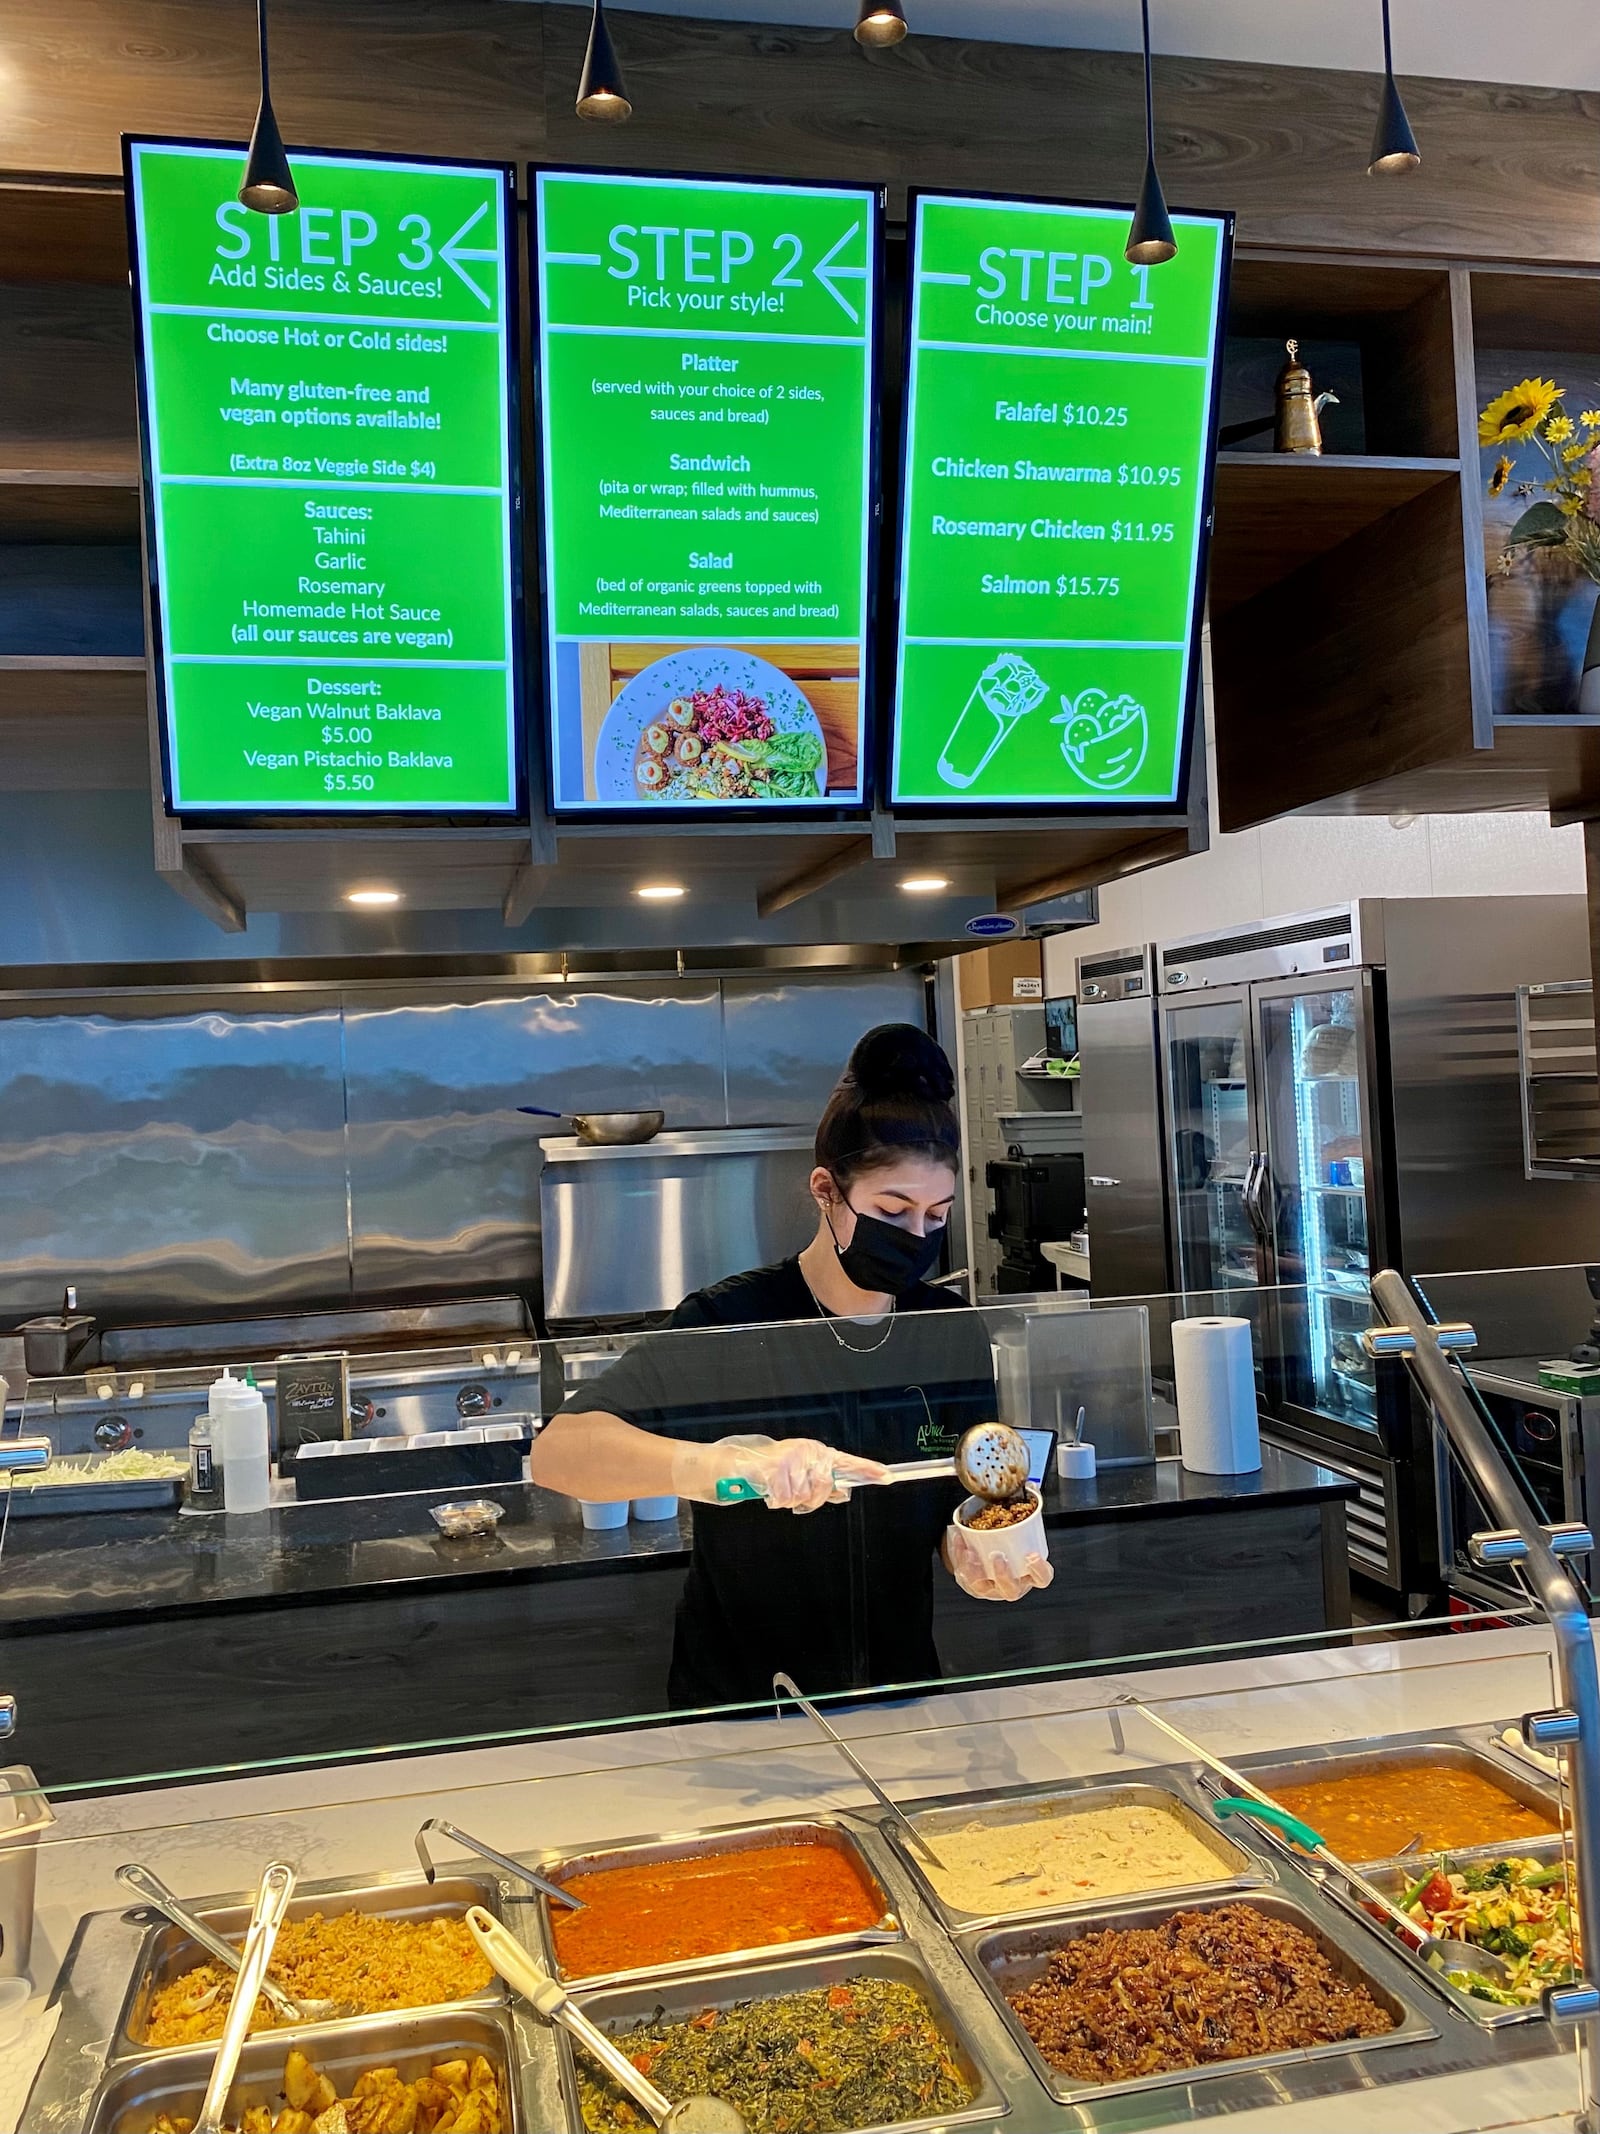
15	1994
1075	1463
1010	1545
598	1517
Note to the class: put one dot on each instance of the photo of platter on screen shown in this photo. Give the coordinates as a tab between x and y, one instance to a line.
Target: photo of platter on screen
328	426
707	458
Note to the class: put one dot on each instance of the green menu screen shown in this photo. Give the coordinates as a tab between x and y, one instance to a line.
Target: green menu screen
330	457
706	372
1059	433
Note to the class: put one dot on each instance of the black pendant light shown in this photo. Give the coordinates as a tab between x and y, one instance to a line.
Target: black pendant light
1150	238
601	94
1394	145
268	184
880	22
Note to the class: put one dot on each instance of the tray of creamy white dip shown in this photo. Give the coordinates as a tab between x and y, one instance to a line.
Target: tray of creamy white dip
1002	1854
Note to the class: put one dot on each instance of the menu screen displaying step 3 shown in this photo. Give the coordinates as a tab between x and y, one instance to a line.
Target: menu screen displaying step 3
331	483
707	353
1060	422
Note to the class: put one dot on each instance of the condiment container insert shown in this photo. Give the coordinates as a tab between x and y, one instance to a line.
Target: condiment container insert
1450	1752
744	1837
1235	1865
135	2093
167	1952
1007	1959
621	2006
1397	1877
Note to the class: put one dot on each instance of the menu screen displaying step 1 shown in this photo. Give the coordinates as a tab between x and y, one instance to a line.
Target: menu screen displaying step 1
706	373
1060	424
331	483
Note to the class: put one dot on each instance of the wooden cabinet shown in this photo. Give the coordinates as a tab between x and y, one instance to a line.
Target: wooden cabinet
1358	662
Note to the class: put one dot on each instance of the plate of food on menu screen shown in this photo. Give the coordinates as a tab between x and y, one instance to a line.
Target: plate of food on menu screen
713	725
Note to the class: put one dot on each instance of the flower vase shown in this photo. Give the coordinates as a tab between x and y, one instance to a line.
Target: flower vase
1589	682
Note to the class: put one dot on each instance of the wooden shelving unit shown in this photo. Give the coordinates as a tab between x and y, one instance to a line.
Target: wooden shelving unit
72	724
1351	641
1277	512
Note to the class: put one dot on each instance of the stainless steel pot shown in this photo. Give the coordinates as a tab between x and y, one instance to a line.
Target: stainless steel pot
605	1129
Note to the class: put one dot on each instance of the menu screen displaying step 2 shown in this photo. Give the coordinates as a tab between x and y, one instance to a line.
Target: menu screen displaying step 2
330	456
1060	426
706	371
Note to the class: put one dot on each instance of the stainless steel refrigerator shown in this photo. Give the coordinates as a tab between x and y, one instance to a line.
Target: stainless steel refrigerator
1341	1093
1124	1143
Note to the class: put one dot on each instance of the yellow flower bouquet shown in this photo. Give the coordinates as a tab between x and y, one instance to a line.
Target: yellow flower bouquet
1566	514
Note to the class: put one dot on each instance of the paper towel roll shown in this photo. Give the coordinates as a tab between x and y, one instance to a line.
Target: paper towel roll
1214	1374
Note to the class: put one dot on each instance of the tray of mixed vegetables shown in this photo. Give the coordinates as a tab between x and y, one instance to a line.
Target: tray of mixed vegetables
1520	1909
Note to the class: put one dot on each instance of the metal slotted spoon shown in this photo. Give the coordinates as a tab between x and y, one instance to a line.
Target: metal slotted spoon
991	1461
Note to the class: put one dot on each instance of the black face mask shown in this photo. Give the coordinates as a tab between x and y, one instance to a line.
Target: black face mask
883	1259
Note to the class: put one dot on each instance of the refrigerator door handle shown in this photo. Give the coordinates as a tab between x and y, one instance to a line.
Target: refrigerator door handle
1255	1179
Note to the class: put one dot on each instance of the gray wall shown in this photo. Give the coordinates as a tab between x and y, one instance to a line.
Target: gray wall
175	1162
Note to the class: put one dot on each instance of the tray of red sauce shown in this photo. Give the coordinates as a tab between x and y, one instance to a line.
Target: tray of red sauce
668	1904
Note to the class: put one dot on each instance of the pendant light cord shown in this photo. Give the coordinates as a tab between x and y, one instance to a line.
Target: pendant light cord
261	39
1388	53
1149	95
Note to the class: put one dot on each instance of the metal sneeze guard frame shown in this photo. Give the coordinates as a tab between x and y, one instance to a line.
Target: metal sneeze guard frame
1429	1350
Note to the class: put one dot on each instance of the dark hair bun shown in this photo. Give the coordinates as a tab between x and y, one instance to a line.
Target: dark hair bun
899	1060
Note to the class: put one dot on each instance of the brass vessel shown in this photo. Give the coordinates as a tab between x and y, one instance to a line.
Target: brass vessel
1298	429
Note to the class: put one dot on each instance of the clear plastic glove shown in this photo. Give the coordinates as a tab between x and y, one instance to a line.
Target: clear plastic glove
795	1474
997	1582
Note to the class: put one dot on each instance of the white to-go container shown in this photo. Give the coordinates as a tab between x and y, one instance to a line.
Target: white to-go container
1010	1545
24	1815
598	1517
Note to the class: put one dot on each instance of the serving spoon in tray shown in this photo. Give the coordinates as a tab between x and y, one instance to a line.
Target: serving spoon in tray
266	1916
155	1892
1249	1800
690	2115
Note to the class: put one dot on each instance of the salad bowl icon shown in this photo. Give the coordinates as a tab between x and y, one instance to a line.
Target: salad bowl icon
1106	738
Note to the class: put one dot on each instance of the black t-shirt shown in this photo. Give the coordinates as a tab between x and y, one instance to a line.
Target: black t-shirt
838	1598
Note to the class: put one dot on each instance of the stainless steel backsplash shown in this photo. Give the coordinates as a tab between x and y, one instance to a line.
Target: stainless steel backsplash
177	1163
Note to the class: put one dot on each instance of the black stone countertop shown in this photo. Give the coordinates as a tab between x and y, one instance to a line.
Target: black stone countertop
79	1568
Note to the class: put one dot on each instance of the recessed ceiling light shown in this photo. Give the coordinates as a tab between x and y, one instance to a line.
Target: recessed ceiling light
659	892
372	896
925	885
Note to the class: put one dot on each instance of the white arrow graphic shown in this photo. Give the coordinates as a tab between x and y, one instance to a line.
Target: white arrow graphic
828	274
453	252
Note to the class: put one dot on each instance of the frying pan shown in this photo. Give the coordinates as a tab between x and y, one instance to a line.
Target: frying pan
605	1129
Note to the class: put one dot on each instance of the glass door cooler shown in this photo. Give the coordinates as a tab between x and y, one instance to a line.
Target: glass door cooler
1273	1052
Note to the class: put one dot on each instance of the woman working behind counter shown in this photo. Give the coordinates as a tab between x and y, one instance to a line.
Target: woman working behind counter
848	1339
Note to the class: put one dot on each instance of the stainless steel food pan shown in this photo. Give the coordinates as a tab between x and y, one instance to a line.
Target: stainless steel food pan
1234	1864
1304	1766
135	2093
167	1952
1395	1879
620	2007
1006	1959
746	1837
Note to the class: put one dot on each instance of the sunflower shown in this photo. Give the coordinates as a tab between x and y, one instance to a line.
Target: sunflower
1518	411
1501	475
